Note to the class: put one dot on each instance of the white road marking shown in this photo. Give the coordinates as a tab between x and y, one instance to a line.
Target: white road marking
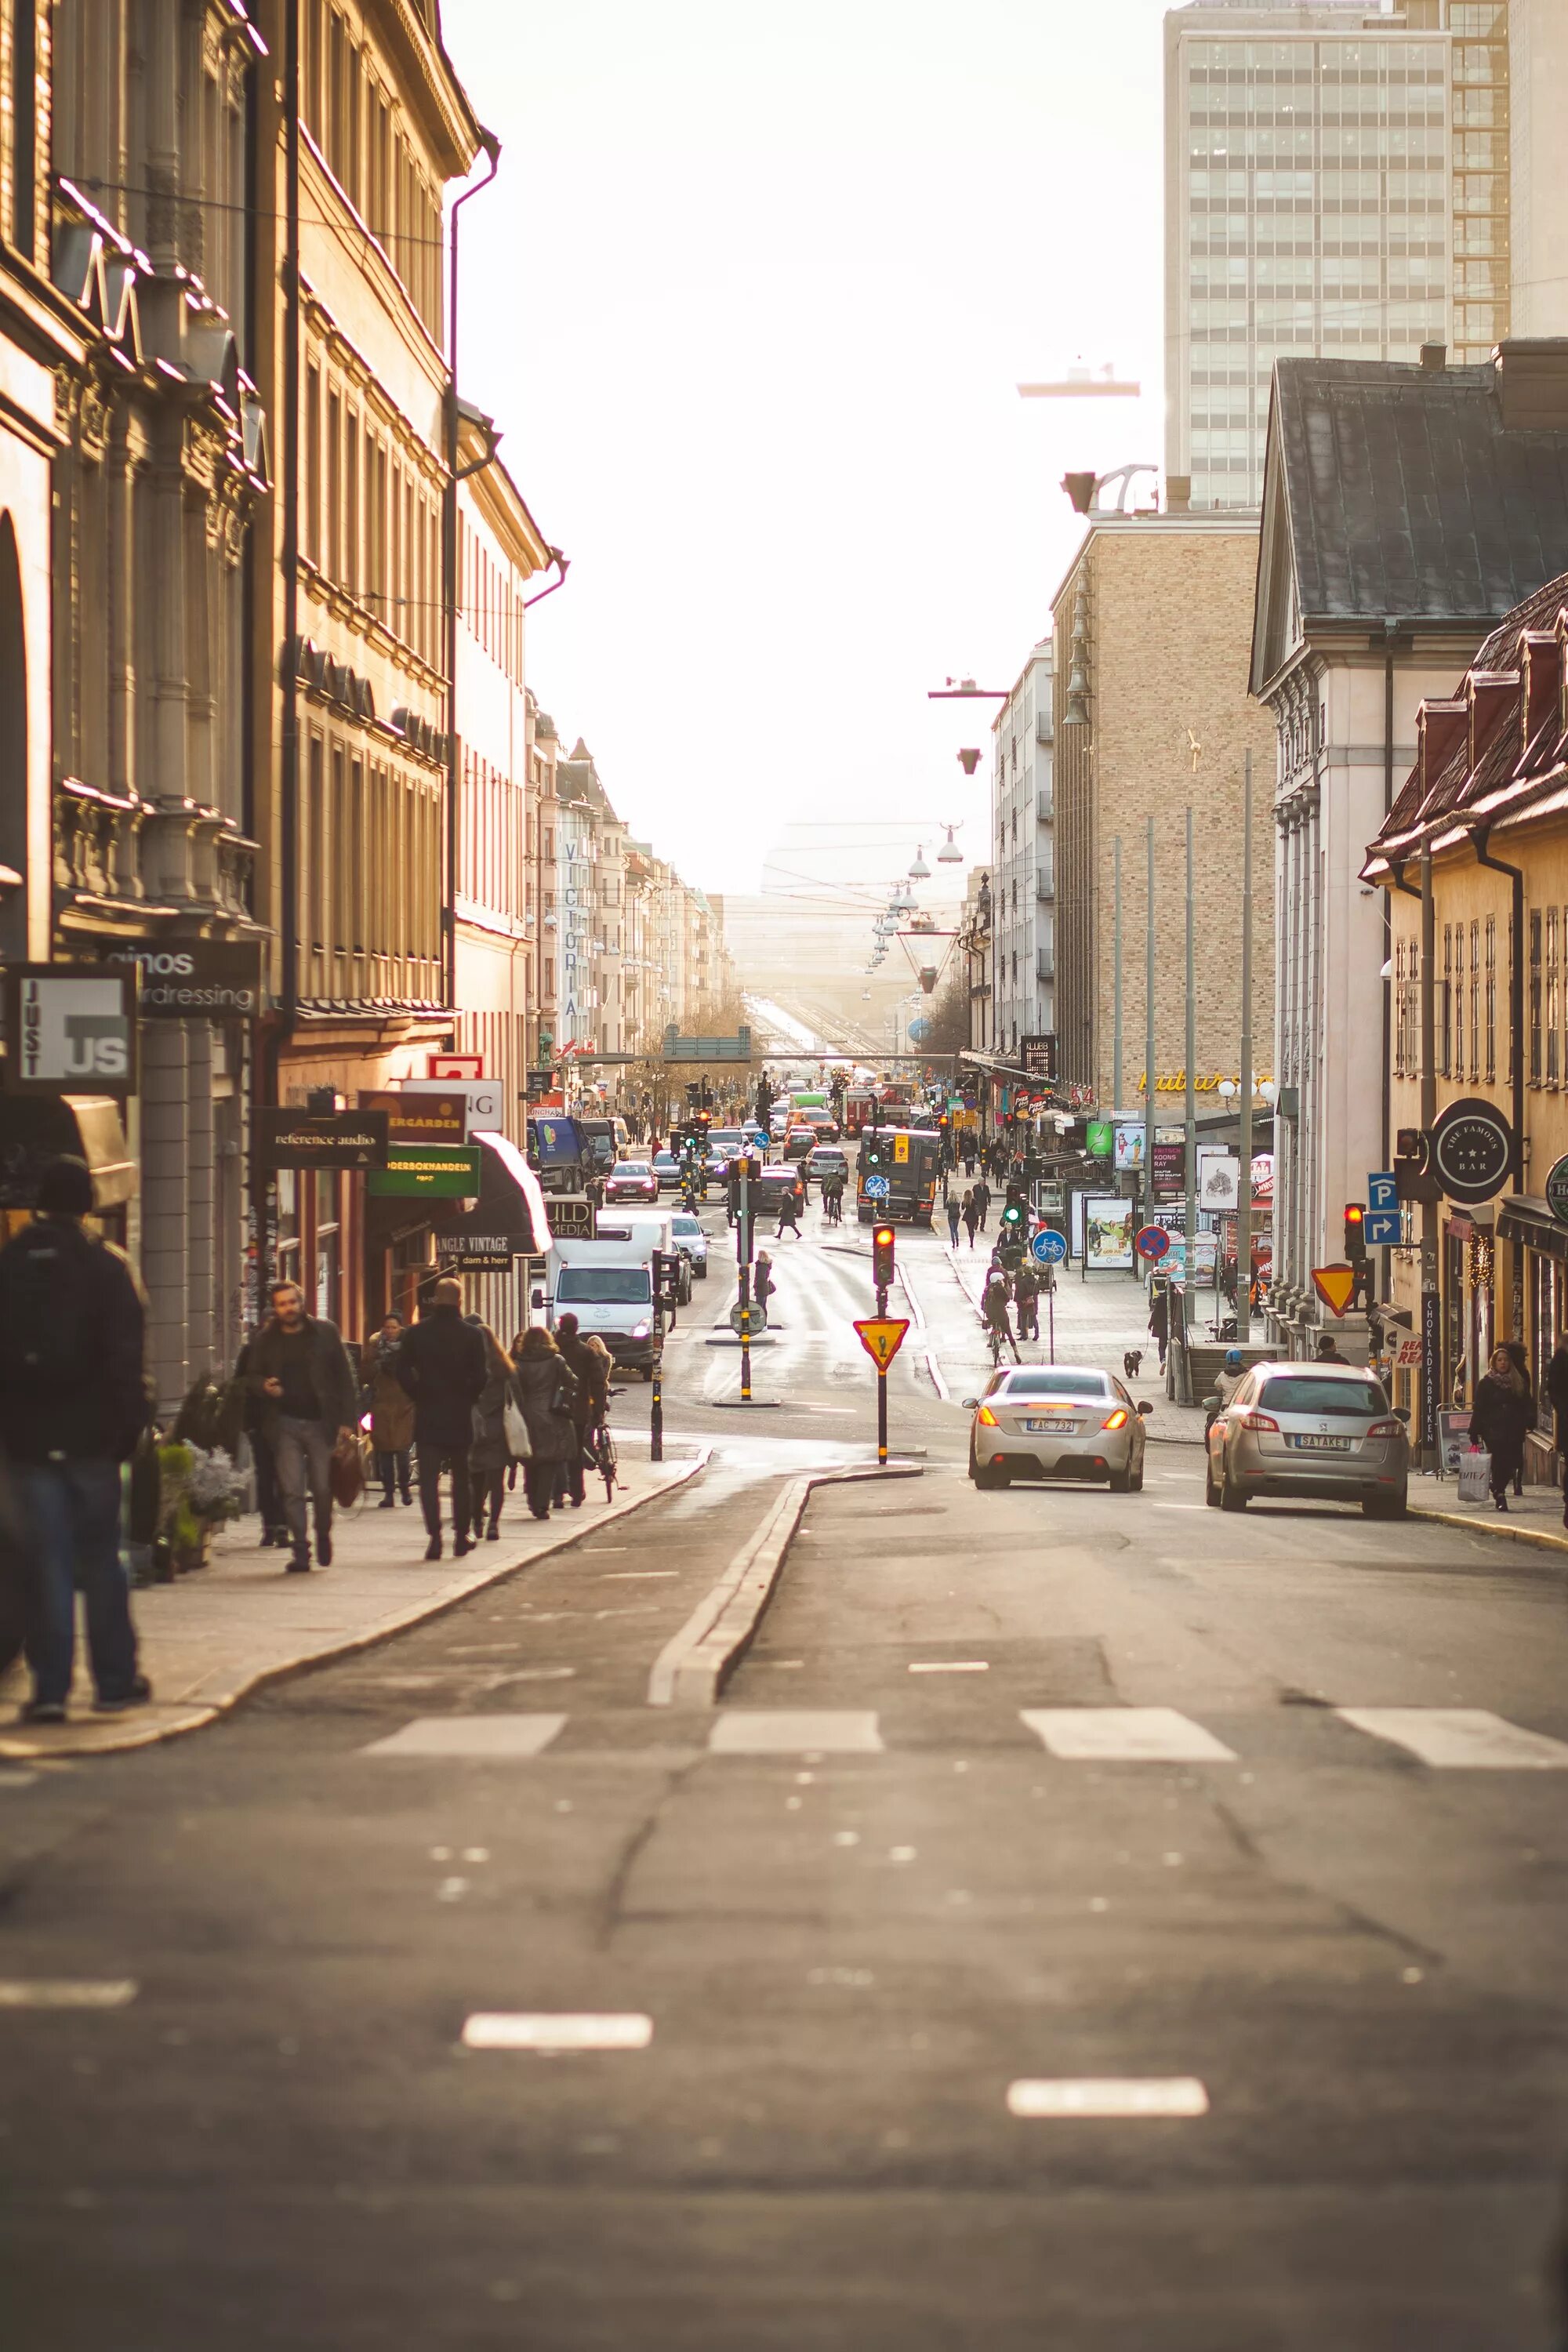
17	1780
499	1737
1069	2099
1145	1734
951	1666
635	1575
520	2029
1468	1739
785	1731
66	1992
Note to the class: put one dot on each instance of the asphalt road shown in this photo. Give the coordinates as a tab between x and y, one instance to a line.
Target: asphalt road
908	1868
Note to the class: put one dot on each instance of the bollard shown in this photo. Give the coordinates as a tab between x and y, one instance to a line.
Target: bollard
656	1418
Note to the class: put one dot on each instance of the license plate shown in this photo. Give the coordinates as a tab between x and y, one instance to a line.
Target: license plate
1052	1428
1320	1445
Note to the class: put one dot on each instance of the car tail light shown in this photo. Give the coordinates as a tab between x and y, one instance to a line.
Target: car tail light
1118	1420
1261	1421
987	1418
1386	1429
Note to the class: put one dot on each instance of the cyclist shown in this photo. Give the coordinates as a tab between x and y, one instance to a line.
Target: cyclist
833	1199
994	1315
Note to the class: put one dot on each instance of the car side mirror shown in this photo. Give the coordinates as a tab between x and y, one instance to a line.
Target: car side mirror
1211	1403
1402	1412
971	1404
539	1299
1144	1406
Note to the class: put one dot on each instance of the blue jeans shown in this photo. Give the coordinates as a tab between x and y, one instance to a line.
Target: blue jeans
70	1516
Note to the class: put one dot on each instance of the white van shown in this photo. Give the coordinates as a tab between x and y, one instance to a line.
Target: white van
608	1285
648	1229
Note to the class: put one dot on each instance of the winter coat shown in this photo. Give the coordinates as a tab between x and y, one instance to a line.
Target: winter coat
1160	1315
1499	1418
329	1369
590	1368
1557	1392
543	1384
490	1451
96	1409
391	1406
441	1364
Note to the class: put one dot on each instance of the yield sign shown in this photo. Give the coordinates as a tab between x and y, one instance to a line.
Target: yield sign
1335	1286
881	1336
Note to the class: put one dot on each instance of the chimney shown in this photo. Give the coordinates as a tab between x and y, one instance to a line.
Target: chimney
1435	357
1532	383
1178	494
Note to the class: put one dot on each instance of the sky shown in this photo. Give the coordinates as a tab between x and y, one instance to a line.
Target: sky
750	298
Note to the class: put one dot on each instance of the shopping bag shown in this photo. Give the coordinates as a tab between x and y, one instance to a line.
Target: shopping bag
1475	1476
346	1475
519	1443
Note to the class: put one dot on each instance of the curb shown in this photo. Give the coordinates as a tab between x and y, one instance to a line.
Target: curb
16	1748
693	1666
1479	1527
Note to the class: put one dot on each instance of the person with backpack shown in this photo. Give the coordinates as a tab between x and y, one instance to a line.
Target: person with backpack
73	1403
299	1370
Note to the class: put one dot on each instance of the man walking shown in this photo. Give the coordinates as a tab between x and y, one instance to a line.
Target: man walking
982	1201
442	1365
763	1284
590	1366
954	1216
299	1369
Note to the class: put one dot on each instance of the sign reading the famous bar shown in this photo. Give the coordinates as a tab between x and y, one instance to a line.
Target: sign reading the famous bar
344	1138
426	1171
196	980
421	1118
1472	1149
70	1029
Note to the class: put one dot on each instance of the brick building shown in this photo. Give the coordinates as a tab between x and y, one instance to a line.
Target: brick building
1152	716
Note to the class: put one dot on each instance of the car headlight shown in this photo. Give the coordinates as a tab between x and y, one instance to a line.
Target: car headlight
640	1330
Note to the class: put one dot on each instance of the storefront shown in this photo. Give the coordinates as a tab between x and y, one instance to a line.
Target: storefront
1532	1253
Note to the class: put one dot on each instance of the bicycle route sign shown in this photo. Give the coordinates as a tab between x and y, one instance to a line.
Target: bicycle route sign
1047	1247
877	1188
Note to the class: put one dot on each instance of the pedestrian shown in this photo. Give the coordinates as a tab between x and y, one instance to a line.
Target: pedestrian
1328	1350
969	1153
1498	1421
443	1365
588	1361
253	1421
73	1404
993	1310
982	1201
548	1391
971	1213
1519	1359
490	1456
762	1283
1557	1398
1160	1320
789	1213
1026	1292
300	1371
955	1219
390	1412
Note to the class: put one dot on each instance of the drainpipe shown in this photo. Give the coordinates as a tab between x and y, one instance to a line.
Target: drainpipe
1390	641
1479	836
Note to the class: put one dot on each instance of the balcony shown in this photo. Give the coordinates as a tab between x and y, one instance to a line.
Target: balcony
1044	964
1044	803
1045	728
1045	884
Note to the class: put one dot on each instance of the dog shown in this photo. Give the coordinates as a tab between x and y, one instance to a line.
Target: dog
1131	1362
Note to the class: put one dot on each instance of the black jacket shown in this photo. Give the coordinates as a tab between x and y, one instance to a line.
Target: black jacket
329	1368
1557	1386
1500	1416
97	1411
591	1371
441	1364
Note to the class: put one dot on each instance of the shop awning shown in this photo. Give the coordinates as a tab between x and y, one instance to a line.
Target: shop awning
509	1214
36	1129
1525	1217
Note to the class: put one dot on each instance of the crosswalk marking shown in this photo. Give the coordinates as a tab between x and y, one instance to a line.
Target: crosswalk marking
1464	1738
66	1992
498	1737
1118	2097
950	1667
559	2031
1144	1735
789	1731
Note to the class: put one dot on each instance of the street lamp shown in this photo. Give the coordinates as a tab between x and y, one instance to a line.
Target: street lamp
920	871
950	853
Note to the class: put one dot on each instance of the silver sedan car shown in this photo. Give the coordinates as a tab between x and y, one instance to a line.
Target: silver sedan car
1318	1432
1057	1421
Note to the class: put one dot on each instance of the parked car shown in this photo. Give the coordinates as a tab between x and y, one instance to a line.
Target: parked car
631	1180
1321	1433
692	1242
1057	1421
667	1168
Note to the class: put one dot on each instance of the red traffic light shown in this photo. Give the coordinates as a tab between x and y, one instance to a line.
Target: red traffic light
882	1257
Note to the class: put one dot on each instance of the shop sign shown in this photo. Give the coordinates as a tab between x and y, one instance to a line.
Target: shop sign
197	980
1472	1149
1037	1058
454	1065
441	1118
482	1095
70	1029
1099	1139
477	1253
1557	1190
344	1139
540	1082
1431	1359
426	1171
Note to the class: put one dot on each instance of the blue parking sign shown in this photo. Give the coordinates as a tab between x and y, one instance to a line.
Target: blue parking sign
1382	1193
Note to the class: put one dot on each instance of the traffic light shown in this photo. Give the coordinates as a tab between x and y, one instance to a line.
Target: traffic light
1013	1213
877	1152
1355	1236
882	1258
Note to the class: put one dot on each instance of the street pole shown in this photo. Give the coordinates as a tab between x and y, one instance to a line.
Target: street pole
882	1414
1149	1044
1244	1191
743	1261
1191	1221
1431	1311
1116	1051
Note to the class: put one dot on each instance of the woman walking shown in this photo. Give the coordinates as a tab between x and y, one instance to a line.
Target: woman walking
971	1213
1499	1420
548	1392
489	1454
391	1411
1518	1356
955	1219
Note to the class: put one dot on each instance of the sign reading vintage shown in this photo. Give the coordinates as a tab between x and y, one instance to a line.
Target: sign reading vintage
344	1139
1472	1149
70	1029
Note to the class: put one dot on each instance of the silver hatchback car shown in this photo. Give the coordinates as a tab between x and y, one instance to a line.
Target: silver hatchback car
1057	1421
1318	1432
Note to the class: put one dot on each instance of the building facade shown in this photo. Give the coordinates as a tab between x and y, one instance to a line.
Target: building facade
1538	73
1153	718
1366	606
1022	860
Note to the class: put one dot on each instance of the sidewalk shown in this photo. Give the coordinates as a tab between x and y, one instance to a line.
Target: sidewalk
1098	1319
212	1636
1534	1518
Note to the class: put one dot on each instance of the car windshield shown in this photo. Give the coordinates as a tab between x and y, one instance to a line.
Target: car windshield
631	1168
603	1286
1053	1384
663	1159
1305	1392
686	1225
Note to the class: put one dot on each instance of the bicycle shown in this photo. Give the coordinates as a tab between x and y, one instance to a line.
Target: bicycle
601	1445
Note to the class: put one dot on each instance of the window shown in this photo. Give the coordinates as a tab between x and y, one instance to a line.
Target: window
1456	1023
1534	1063
1475	1001
313	464
352	574
1445	1041
1492	998
313	891
338	930
1552	1068
333	534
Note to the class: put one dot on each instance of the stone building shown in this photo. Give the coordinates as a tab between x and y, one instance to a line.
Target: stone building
1022	860
1153	718
349	685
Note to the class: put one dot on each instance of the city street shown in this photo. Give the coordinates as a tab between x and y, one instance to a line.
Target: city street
1019	1805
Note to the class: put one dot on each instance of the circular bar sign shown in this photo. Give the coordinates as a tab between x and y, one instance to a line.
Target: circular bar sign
1472	1149
1152	1242
1557	1190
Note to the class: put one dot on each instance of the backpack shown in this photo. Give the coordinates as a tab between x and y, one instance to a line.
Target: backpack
47	1302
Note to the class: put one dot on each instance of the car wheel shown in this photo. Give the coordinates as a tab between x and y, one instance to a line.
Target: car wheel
1211	1492
987	1476
1230	1498
1119	1482
1385	1506
1136	1480
700	1270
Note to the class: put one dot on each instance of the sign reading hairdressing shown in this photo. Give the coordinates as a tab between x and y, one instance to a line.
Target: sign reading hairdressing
195	979
70	1029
